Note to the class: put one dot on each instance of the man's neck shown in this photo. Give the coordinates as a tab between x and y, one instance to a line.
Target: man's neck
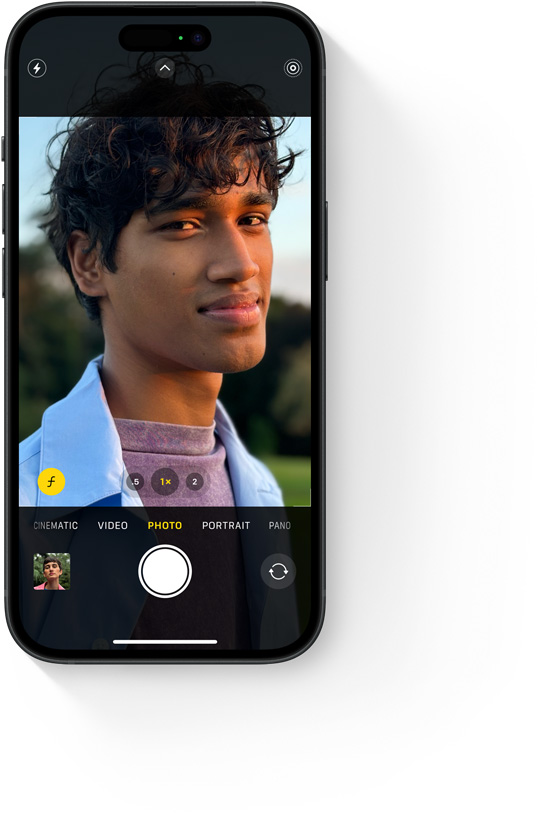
137	387
52	584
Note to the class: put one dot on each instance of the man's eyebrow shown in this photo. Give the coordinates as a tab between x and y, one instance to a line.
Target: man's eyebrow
208	201
257	200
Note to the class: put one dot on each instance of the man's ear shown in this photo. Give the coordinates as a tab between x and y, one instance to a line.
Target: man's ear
86	268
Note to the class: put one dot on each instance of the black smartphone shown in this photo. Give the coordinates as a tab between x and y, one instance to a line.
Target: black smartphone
164	283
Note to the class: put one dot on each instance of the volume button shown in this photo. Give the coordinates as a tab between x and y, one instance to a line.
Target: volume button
326	239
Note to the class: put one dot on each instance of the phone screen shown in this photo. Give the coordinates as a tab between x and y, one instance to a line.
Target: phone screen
164	285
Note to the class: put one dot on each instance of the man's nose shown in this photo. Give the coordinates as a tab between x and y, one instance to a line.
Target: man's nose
231	258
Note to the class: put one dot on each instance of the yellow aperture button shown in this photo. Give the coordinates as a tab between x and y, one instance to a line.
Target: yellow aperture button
51	481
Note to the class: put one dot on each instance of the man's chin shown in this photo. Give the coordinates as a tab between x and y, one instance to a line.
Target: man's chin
240	362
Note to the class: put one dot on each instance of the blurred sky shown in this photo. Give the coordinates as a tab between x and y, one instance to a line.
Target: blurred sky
290	222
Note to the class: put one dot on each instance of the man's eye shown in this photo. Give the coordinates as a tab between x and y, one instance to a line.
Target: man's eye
253	220
181	226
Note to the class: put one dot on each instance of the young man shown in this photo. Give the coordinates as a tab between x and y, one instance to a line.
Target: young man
162	226
52	570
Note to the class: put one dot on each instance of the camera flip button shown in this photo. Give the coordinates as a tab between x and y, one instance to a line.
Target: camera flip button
278	571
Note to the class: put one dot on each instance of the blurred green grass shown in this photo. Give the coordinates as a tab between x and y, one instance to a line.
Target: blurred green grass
293	473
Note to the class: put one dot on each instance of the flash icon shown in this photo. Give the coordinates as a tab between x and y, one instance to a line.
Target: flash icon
36	68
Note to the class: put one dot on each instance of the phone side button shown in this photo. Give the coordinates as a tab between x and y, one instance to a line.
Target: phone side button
2	149
325	244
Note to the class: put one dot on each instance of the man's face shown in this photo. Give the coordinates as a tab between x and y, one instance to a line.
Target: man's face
192	285
52	571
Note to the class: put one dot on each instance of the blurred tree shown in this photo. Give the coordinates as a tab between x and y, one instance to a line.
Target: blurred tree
249	396
56	339
291	405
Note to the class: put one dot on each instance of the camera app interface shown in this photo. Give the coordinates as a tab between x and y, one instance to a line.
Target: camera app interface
165	381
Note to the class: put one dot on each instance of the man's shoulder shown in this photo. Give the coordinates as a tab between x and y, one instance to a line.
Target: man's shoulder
253	483
29	468
58	412
30	447
268	483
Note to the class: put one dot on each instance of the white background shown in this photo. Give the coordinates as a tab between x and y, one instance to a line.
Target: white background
423	693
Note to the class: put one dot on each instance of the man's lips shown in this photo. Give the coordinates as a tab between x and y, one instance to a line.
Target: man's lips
241	309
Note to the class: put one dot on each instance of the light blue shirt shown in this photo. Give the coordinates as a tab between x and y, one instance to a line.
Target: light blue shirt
78	437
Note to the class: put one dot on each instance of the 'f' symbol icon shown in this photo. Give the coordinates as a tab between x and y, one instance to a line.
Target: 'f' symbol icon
51	481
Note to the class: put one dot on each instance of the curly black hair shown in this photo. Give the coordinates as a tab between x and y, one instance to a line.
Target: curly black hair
111	166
